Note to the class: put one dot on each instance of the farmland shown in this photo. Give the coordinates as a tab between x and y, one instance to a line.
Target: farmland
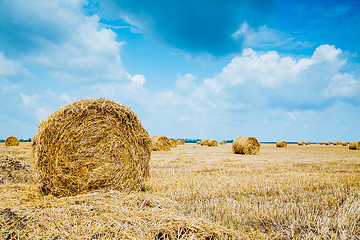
299	192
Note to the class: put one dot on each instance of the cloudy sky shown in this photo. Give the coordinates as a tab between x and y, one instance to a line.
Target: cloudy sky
189	69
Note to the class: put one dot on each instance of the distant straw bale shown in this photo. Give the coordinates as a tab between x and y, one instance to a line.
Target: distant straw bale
91	144
336	143
13	171
180	142
344	143
173	142
223	142
328	143
354	145
198	142
322	143
281	144
307	143
204	142
212	143
160	143
301	143
12	141
246	145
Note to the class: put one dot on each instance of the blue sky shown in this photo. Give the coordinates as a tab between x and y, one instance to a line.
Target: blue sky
189	69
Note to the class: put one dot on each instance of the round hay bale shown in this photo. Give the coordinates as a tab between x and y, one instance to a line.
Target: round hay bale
301	143
344	143
204	142
246	145
307	143
91	144
173	142
181	142
354	145
281	144
322	143
328	143
223	142
198	142
212	143
12	141
160	143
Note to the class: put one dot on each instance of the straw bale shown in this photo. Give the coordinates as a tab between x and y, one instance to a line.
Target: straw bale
328	143
212	143
354	145
13	170
181	142
281	144
173	142
223	142
198	142
246	145
91	144
322	143
344	143
204	142
307	143
160	143
301	143
106	215
12	141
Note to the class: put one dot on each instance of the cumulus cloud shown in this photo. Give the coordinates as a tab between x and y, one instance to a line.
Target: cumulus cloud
193	26
59	38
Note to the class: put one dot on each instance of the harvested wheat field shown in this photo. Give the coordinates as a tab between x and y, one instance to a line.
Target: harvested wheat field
200	193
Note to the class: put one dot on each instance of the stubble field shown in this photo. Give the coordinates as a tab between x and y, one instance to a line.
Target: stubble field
297	192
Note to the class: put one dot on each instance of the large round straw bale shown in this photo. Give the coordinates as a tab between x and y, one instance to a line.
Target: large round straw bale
301	143
181	142
212	143
344	143
223	142
322	143
307	143
173	142
204	142
328	143
91	144
160	143
281	144
354	145
246	145
12	141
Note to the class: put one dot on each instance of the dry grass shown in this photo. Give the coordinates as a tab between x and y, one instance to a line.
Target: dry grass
281	193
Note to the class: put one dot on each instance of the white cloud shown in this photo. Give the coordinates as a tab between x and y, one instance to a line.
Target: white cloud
91	54
138	80
343	85
266	38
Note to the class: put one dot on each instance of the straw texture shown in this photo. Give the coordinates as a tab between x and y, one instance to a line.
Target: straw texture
246	145
91	144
